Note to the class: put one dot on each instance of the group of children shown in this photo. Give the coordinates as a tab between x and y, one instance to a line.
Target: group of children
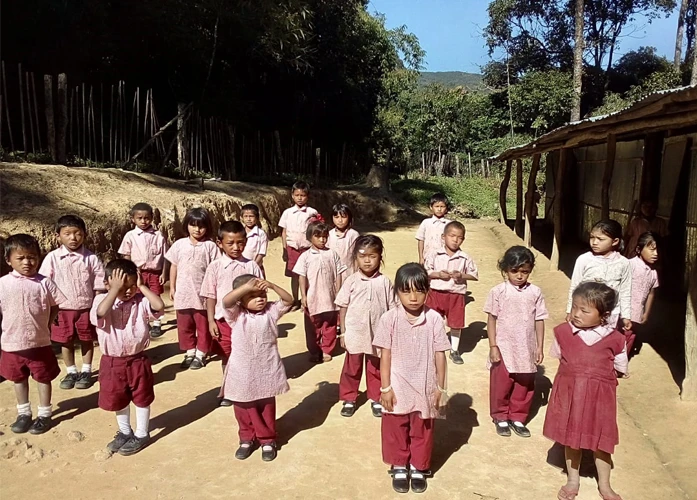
395	332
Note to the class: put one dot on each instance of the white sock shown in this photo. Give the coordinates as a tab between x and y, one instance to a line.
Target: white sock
503	423
191	352
86	368
518	424
45	411
157	322
123	418
142	421
71	369
200	354
24	409
455	342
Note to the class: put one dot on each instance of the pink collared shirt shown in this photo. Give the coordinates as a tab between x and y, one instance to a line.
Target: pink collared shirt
191	260
25	307
220	275
145	248
322	269
343	245
295	221
124	330
431	233
591	336
516	311
644	279
366	299
413	348
257	243
77	274
439	260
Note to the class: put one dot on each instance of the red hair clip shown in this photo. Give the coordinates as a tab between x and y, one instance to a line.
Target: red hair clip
317	218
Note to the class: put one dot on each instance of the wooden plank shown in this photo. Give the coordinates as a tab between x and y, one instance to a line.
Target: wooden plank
503	209
558	199
519	197
530	199
607	176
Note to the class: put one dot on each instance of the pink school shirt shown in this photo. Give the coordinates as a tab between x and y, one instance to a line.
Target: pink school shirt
430	232
413	348
77	274
145	248
343	245
366	299
516	311
591	336
644	279
124	330
439	260
25	307
257	243
295	221
220	275
322	269
191	260
255	370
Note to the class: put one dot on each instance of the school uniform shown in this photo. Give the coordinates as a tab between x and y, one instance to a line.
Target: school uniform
257	244
431	233
343	245
146	249
295	221
447	297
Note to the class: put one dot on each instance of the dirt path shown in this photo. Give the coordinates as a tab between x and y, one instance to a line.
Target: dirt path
325	455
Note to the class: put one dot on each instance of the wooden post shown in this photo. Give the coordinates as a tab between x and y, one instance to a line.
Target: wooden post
469	164
36	112
21	107
483	169
7	109
607	176
503	190
689	385
62	122
530	199
457	165
50	124
519	196
558	199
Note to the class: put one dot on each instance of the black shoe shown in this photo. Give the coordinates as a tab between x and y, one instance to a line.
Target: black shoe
156	331
316	358
187	362
134	445
119	440
502	430
244	452
418	480
224	403
197	364
84	380
400	479
40	425
268	452
69	381
521	430
456	358
22	424
348	409
377	409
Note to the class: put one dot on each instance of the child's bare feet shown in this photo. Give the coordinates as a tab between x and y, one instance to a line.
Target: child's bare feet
568	492
607	493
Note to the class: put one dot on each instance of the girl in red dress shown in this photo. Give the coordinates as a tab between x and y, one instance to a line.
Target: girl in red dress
582	411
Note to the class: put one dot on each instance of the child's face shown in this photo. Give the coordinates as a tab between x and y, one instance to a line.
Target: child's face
648	209
583	314
439	209
300	197
142	219
519	276
601	243
453	239
25	261
249	218
341	221
368	260
319	241
196	232
254	301
71	237
233	244
649	253
128	290
412	300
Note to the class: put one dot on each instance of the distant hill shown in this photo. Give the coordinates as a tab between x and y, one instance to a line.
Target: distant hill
452	79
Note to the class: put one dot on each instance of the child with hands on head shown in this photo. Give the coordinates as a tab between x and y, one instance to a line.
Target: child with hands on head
430	231
342	237
257	240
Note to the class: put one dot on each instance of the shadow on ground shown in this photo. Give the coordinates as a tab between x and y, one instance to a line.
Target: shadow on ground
455	431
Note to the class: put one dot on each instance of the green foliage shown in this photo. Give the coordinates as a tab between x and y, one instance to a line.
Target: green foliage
452	79
542	99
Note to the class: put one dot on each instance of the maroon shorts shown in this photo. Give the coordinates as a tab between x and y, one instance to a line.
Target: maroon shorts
39	362
125	380
448	304
151	279
293	256
71	324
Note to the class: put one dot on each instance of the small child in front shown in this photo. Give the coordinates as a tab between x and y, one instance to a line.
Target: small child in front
412	343
644	283
125	373
28	305
582	409
79	275
146	248
449	269
255	375
430	232
516	330
342	237
257	240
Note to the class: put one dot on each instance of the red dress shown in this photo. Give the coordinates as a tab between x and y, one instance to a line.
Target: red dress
582	411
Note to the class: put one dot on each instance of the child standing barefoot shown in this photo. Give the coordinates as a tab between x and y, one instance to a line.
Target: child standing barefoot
255	375
343	236
257	241
430	232
364	297
412	341
516	330
644	282
582	410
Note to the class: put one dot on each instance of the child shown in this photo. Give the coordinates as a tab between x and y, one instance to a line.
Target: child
364	297
189	257
449	269
294	222
516	330
146	248
343	236
320	271
644	282
582	410
79	274
644	222
28	305
412	342
605	264
431	229
125	373
217	282
257	241
256	375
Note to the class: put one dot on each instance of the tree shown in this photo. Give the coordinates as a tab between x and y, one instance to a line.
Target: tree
677	59
578	61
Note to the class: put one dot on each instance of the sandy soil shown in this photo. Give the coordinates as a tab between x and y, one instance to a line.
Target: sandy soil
324	455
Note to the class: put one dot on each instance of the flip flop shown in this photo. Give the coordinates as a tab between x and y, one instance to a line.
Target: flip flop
613	497
566	494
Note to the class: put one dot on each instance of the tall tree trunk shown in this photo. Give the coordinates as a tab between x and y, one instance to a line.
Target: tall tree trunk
62	122
578	62
183	157
693	79
50	123
679	35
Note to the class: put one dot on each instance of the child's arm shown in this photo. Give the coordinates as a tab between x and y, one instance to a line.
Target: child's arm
165	273
440	377
232	298
494	352
303	290
116	281
284	243
387	399
156	303
540	335
210	311
172	280
259	259
281	292
342	324
52	315
420	246
647	307
625	292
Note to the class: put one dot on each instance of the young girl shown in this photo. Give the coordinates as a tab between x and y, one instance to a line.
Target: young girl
413	343
255	373
343	236
644	281
319	270
582	410
605	264
257	241
516	330
364	297
189	258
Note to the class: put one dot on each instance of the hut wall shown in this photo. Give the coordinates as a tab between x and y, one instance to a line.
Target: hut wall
691	219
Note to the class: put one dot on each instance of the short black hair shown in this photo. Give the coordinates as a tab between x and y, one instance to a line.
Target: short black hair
250	207
242	280
611	228
231	227
439	197
126	266
343	209
598	295
645	240
453	224
515	257
300	186
198	217
141	207
411	276
368	241
316	228
70	221
21	241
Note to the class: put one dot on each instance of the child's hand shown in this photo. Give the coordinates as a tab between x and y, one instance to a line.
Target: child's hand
262	284
539	356
162	279
172	291
494	354
139	281
213	329
303	302
435	399
627	324
285	254
117	279
388	400
456	275
342	341
444	275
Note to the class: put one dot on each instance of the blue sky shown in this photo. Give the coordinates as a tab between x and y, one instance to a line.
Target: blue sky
450	31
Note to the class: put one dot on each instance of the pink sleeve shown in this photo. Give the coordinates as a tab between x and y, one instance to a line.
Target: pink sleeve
256	270
208	286
441	342
344	296
301	266
98	322
421	232
98	271
430	261
263	243
284	219
125	248
146	309
47	269
541	311
383	334
621	362
655	279
172	254
55	296
492	305
391	295
278	309
340	267
213	252
471	268
555	350
165	243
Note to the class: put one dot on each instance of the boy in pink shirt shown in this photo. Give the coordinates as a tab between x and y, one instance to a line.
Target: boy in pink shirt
125	373
257	240
430	232
146	248
28	305
449	269
79	275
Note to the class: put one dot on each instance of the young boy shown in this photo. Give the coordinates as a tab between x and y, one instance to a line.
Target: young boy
431	230
294	222
146	248
449	269
28	305
79	275
257	241
125	373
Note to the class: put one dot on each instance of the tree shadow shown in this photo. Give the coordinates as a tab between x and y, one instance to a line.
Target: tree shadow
310	413
543	387
284	328
161	352
470	336
297	365
556	458
73	407
176	418
455	431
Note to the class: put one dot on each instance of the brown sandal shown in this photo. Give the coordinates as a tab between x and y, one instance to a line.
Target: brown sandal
566	494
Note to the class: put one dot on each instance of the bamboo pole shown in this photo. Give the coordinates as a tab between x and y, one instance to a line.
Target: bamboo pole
101	119
85	134
530	200
94	125
29	113
607	176
558	204
112	158
71	121
36	112
50	123
21	103
519	197
7	109
61	129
